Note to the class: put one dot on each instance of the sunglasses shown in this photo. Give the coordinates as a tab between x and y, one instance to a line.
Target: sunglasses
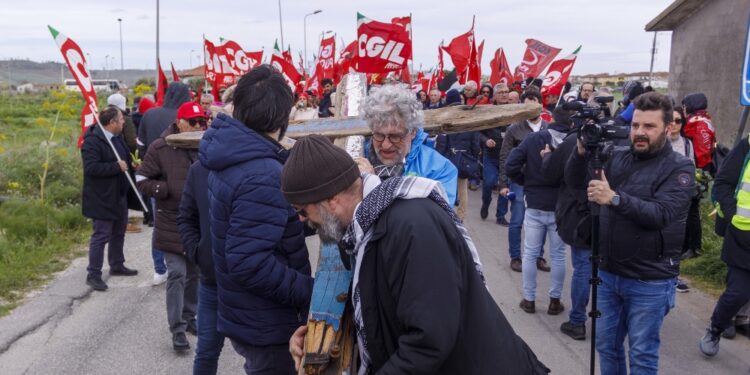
485	92
393	138
198	121
679	121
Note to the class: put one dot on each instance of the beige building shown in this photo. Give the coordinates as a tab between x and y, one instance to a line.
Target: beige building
708	40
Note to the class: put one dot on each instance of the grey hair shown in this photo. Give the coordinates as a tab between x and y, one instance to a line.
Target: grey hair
499	86
392	105
471	84
208	96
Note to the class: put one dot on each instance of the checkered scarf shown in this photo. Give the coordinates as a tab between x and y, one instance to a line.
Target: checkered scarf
377	198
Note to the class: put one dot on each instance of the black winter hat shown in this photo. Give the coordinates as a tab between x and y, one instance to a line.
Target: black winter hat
695	102
316	170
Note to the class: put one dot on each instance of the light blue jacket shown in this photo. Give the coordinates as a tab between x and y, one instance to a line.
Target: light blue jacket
424	161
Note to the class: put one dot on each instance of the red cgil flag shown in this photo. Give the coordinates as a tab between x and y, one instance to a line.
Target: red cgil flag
558	74
537	56
76	62
381	47
161	86
405	22
346	61
499	69
175	77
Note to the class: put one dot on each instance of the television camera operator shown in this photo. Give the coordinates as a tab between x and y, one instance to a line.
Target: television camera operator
643	193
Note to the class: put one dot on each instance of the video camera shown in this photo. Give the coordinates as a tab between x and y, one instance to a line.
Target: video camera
594	124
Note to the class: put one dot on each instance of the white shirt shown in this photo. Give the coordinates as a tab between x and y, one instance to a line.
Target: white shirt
535	127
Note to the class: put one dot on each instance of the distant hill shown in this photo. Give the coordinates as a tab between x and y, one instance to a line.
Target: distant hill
26	71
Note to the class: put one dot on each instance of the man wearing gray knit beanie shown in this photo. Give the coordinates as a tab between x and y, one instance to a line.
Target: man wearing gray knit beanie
418	294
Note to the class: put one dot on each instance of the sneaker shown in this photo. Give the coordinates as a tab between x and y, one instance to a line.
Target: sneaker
682	287
96	283
555	306
516	265
180	342
527	306
192	328
502	221
709	343
730	332
576	332
541	265
484	211
160	278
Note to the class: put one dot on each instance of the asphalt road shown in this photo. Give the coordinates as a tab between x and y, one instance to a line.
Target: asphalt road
67	329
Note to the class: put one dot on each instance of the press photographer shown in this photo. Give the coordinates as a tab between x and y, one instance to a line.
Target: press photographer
644	193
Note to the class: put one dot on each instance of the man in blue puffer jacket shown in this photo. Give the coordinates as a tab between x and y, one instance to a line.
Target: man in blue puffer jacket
260	258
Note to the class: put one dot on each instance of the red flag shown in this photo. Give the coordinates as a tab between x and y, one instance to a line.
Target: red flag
286	68
345	62
537	56
161	86
217	71
460	50
405	22
475	64
500	71
288	55
326	57
558	73
76	62
381	47
175	77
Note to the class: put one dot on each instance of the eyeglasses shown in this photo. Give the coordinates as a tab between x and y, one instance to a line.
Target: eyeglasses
485	92
679	121
393	138
198	121
300	212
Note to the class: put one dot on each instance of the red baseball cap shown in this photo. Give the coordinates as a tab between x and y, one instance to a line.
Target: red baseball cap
190	110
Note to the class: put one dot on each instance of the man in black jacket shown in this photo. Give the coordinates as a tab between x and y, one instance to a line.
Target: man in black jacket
195	232
731	190
642	227
105	196
419	301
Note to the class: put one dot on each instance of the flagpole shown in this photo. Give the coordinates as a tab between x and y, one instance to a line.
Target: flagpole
205	66
157	48
411	37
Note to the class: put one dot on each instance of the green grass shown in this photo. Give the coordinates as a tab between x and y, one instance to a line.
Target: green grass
38	237
707	271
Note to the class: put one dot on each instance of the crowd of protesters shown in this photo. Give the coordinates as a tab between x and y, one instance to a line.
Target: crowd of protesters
230	220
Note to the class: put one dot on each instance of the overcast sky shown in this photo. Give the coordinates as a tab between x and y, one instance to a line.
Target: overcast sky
611	32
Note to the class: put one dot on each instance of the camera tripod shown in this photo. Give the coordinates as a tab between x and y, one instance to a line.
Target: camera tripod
593	156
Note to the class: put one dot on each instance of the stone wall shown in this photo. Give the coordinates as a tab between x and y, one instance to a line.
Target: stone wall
707	53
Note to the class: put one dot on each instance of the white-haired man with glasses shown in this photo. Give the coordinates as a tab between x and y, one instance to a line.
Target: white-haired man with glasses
397	147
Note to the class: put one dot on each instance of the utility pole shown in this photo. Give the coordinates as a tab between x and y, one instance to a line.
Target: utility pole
653	53
281	27
157	43
122	64
304	30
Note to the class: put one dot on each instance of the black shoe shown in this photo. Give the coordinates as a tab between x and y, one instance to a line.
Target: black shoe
576	332
122	271
96	283
502	222
484	211
192	328
180	342
555	306
516	264
730	332
527	306
541	265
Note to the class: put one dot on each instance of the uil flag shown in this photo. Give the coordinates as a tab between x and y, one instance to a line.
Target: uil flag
460	50
537	56
161	85
175	77
76	62
558	73
499	69
381	47
286	68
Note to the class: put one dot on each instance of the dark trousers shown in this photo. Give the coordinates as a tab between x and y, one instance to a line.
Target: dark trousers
210	341
736	295
489	181
693	238
266	360
182	291
112	233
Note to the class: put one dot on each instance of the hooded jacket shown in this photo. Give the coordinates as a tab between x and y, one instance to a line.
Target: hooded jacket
423	161
157	119
699	129
193	222
261	262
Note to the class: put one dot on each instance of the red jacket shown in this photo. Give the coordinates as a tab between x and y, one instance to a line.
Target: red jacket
700	130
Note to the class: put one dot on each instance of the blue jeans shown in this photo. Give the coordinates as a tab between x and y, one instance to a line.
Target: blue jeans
539	223
490	174
160	265
579	284
210	341
517	208
635	308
